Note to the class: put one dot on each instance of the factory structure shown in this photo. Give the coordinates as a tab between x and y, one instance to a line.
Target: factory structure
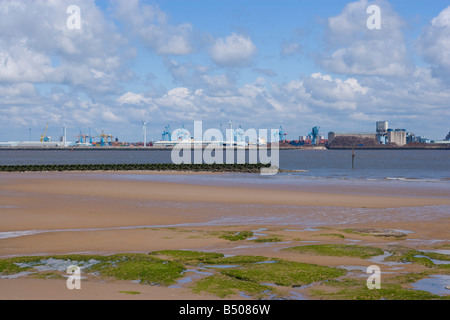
382	134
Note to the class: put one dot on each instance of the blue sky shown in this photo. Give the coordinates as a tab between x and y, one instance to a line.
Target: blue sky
263	64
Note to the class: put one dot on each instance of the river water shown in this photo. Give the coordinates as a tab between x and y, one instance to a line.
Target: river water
408	165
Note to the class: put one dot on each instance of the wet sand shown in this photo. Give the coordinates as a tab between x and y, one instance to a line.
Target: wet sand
63	213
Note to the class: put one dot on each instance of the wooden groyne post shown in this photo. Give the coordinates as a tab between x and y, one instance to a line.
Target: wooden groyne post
353	158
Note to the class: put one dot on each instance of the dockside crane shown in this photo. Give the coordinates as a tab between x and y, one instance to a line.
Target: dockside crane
314	135
44	137
104	138
167	133
282	134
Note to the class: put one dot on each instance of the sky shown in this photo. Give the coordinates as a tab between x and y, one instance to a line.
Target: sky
260	63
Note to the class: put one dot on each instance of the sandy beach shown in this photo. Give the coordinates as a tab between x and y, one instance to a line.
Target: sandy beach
65	213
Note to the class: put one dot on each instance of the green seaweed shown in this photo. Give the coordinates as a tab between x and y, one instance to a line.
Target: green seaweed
141	267
257	276
268	239
335	235
130	292
187	256
284	273
237	260
338	250
223	286
236	236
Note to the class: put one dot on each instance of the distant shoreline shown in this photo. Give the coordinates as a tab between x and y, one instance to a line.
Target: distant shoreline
111	148
429	147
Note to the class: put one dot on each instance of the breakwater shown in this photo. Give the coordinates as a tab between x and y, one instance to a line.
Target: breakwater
246	167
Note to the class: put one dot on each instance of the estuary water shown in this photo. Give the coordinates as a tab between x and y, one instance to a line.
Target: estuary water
407	165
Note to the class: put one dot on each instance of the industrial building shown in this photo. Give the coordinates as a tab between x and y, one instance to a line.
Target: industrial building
333	135
397	136
33	144
382	134
390	136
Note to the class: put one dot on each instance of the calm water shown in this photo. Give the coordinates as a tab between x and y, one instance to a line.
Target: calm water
411	165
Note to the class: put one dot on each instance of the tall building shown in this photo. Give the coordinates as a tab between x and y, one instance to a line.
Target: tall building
382	126
397	136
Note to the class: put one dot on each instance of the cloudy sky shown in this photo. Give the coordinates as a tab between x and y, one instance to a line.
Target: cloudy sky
262	64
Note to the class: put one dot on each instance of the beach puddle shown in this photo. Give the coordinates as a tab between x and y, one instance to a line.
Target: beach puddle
221	266
296	296
381	260
244	295
441	251
16	275
435	284
57	264
192	275
50	264
257	234
14	234
355	268
426	242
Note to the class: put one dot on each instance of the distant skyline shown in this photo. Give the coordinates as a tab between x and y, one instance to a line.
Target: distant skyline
263	64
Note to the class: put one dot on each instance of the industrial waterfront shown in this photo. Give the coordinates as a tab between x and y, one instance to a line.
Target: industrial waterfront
382	137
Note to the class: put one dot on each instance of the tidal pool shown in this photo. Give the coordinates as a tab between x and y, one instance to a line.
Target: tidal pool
435	284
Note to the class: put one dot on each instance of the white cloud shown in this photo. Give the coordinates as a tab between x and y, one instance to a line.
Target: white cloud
234	51
356	50
110	116
18	94
178	42
37	47
434	43
335	92
132	99
179	93
152	27
20	64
